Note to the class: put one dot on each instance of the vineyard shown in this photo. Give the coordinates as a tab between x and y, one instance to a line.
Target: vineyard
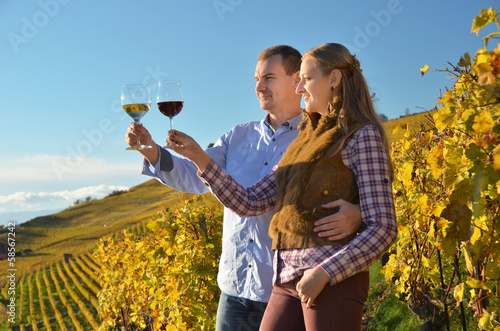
63	296
83	293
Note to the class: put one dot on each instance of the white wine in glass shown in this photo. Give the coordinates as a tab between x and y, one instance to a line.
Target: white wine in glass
170	101
136	101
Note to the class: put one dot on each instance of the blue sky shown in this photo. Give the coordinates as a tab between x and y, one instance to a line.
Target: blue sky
63	63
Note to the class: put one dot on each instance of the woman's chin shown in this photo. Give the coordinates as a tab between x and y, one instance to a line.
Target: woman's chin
311	110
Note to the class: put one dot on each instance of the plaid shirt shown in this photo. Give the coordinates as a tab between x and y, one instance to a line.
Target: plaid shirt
366	156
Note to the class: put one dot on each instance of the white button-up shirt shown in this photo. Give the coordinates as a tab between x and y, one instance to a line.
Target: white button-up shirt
247	153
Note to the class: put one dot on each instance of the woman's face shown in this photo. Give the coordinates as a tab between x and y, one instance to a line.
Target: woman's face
315	87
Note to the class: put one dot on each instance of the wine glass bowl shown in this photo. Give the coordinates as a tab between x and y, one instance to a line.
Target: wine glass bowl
170	101
136	101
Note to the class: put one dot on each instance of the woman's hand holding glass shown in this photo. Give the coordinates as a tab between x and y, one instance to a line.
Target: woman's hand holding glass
188	148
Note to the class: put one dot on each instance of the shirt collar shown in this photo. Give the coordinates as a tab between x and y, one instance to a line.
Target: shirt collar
292	123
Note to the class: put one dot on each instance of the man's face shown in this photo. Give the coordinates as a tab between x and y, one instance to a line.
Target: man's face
274	88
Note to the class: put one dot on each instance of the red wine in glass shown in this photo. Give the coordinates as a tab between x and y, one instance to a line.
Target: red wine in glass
170	108
170	100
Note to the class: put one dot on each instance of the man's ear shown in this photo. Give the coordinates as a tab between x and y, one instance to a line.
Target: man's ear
296	78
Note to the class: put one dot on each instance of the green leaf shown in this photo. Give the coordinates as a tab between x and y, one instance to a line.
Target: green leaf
475	153
464	60
492	271
462	192
449	247
460	217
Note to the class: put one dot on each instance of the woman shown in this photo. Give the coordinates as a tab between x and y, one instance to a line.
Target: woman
340	153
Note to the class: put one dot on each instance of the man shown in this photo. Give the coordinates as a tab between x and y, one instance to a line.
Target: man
248	152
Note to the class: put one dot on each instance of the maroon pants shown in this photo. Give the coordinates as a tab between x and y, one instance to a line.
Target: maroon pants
338	307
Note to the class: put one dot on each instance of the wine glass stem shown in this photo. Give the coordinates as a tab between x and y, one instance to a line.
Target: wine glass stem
138	144
171	123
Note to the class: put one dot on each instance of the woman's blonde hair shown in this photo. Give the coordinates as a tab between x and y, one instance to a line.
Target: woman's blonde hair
357	104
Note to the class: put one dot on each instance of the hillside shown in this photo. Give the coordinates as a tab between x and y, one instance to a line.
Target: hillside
413	119
44	240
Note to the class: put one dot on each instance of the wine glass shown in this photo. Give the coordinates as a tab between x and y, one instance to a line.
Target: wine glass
170	101
136	101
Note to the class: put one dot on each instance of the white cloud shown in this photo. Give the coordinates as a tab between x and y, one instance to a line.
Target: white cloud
33	201
54	182
50	168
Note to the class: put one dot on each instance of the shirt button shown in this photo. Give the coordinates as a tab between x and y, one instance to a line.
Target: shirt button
325	192
386	180
251	240
274	139
249	265
265	163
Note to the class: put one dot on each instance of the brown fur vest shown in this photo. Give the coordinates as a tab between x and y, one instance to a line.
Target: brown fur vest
311	174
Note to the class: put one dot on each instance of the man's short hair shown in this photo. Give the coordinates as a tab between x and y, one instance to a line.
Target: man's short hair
290	57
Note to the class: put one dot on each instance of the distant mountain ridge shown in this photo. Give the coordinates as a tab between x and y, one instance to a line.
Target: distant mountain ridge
24	216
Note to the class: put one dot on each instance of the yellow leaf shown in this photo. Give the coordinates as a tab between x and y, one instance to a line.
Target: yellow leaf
476	283
422	204
445	118
458	292
424	69
406	146
496	159
405	173
435	161
476	235
396	129
485	322
438	208
485	18
483	122
468	262
467	113
425	262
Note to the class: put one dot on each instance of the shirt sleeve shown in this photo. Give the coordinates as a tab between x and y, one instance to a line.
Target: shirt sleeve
252	201
369	160
180	173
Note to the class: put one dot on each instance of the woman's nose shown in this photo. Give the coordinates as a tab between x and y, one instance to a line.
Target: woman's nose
300	87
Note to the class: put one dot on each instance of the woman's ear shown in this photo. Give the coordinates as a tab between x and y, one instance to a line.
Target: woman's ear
336	76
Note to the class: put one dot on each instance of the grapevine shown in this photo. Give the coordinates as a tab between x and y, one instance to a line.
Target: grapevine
166	279
52	301
447	194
